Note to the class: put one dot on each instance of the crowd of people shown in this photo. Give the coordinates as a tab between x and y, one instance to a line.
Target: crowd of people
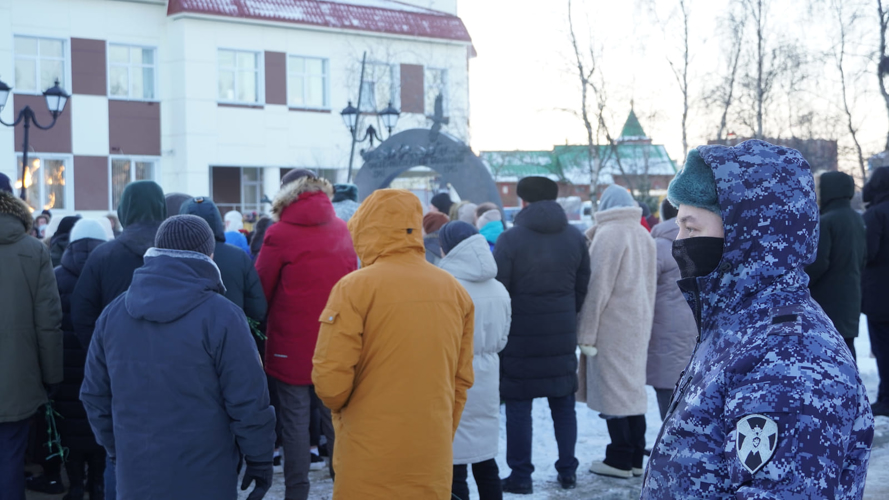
379	339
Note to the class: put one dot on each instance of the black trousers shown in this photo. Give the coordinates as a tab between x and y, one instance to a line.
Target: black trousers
487	477
627	442
879	344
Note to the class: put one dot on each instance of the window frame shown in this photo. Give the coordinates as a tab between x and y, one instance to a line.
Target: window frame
446	100
260	77
66	63
68	161
108	65
156	160
326	83
394	89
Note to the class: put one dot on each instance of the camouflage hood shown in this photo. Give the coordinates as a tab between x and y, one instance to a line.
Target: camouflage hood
770	214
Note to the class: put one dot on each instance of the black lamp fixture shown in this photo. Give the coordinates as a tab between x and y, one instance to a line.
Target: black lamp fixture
56	99
350	116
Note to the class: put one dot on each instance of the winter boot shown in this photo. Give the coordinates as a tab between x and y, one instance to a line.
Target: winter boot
603	469
75	468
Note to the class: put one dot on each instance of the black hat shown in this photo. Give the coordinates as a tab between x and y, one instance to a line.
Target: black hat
186	232
295	175
442	201
534	189
4	184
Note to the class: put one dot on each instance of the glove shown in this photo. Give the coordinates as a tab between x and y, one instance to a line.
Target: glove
588	350
262	473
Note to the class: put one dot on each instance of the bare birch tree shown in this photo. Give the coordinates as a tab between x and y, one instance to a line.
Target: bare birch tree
883	62
844	24
585	74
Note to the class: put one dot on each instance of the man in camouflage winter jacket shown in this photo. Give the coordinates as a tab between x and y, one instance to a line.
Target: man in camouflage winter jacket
771	404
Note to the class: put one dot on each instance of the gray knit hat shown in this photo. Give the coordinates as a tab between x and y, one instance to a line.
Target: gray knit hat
186	232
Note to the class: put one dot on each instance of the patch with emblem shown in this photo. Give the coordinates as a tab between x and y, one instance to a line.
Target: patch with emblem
756	441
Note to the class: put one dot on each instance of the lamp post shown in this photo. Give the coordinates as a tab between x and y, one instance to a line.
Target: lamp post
56	98
350	116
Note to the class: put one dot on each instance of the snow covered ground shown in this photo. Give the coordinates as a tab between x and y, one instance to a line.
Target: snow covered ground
593	437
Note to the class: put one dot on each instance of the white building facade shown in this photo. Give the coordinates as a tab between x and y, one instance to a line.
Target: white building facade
216	97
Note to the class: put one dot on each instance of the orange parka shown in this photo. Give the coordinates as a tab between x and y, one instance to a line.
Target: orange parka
394	359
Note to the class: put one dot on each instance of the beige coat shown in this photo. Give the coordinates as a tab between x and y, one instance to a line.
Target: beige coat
617	314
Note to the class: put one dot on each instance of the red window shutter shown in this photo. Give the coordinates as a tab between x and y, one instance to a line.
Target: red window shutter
412	89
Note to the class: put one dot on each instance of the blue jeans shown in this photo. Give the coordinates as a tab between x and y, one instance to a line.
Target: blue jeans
110	479
13	441
519	433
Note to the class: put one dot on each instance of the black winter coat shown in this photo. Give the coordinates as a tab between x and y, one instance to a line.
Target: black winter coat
242	285
543	263
73	426
107	274
875	280
835	276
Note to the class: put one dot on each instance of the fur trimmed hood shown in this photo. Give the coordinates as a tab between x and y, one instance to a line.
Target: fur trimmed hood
11	205
291	192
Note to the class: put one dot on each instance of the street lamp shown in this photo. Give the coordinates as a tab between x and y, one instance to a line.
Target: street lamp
350	116
56	98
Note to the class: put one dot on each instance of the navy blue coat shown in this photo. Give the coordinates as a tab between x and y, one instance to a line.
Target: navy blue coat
875	279
771	404
242	285
73	426
174	387
107	274
544	264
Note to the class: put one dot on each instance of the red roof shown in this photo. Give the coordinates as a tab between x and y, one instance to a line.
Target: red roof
382	16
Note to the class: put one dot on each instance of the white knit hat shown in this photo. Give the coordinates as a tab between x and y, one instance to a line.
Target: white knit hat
88	228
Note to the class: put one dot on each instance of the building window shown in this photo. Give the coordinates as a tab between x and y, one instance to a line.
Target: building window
46	182
238	76
307	82
131	72
379	88
126	170
39	62
436	82
237	188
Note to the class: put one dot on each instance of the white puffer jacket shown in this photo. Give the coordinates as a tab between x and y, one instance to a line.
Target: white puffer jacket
472	263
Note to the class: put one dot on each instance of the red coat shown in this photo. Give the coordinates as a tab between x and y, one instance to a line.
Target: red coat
304	254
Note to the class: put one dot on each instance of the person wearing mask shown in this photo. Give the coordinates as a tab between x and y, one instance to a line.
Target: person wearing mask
60	238
489	222
109	269
305	253
441	203
394	359
614	328
673	330
771	404
875	279
345	200
242	285
835	276
432	223
30	336
179	398
86	236
40	225
544	264
234	223
467	257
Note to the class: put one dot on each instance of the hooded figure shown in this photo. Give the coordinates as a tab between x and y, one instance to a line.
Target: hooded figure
234	223
30	337
60	238
489	222
477	438
875	280
85	237
835	276
771	404
394	359
544	264
345	200
616	322
241	281
178	398
304	255
109	269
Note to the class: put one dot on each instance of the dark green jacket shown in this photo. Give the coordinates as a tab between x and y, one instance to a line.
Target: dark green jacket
835	276
31	312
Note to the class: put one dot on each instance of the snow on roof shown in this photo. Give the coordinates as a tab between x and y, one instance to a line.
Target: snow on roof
382	16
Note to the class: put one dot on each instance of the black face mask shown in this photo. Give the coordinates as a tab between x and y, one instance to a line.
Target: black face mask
697	256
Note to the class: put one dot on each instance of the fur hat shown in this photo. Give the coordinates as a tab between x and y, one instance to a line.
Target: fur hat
453	233
88	229
432	222
534	189
11	205
186	232
290	193
695	185
295	175
343	192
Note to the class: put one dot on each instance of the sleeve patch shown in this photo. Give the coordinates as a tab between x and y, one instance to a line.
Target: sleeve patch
757	439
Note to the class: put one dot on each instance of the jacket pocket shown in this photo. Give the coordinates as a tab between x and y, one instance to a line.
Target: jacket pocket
328	316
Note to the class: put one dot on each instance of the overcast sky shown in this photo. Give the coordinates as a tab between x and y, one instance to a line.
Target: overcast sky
521	83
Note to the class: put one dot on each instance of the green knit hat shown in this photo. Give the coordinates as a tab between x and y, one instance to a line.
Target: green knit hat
695	185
